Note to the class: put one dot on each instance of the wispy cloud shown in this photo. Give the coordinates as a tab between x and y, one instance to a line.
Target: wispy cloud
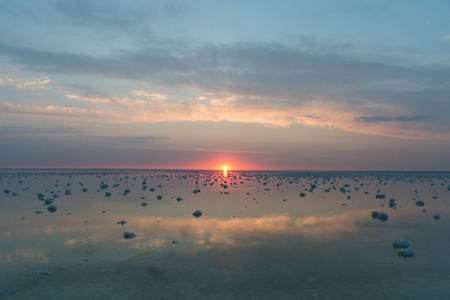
376	119
57	132
41	83
265	83
23	84
15	131
153	96
89	99
319	113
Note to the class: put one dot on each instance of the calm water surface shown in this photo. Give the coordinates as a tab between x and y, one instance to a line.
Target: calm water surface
256	238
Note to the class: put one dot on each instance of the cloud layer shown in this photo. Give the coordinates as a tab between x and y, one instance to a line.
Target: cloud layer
69	63
263	83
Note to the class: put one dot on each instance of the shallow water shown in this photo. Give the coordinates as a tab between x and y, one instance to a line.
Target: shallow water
260	240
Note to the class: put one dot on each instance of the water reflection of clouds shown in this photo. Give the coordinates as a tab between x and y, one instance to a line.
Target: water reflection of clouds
93	239
58	226
246	231
158	232
23	254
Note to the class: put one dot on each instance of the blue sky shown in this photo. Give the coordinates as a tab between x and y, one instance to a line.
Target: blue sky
317	85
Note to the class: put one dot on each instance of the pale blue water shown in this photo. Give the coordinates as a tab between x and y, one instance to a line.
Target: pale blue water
248	244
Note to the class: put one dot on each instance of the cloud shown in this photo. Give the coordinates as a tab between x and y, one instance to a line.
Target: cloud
89	99
16	131
41	83
446	37
34	131
229	232
129	139
321	113
6	81
376	119
105	15
269	84
153	96
25	84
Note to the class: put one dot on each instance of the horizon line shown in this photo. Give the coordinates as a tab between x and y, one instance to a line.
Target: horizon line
220	170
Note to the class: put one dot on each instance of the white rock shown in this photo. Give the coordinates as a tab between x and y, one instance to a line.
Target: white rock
408	252
402	244
52	208
128	235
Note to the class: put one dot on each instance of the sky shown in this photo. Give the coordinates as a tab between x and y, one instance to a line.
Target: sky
199	84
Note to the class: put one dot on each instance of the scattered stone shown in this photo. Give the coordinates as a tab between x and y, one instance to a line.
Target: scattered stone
383	216
121	222
420	203
401	244
437	217
52	208
197	213
407	253
392	203
128	235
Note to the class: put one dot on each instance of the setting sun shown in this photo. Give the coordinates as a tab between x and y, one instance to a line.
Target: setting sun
225	168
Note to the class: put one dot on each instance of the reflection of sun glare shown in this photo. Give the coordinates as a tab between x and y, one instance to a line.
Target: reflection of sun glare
225	168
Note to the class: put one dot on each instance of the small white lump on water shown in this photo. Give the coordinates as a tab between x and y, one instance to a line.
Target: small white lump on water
401	244
52	208
197	213
420	203
128	235
382	216
407	252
